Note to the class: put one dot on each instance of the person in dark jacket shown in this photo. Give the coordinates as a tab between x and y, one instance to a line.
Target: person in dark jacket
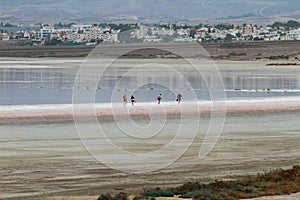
158	98
179	96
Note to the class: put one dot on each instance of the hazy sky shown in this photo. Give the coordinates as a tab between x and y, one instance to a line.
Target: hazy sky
140	9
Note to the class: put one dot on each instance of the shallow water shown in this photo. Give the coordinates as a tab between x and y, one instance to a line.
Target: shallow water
48	84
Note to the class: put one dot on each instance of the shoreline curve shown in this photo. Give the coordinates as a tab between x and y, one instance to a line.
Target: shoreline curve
66	111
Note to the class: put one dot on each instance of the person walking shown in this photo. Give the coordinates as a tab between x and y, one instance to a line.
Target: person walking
132	100
179	96
124	99
158	98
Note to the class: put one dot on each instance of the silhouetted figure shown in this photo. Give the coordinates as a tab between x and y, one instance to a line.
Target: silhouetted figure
179	96
132	100
158	98
124	99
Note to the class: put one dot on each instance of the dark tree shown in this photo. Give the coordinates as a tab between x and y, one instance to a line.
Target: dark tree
238	35
192	33
228	38
292	24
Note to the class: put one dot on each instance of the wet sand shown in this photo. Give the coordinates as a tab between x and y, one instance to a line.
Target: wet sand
68	111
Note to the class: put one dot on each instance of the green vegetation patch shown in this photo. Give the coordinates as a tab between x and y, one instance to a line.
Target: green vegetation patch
108	196
275	182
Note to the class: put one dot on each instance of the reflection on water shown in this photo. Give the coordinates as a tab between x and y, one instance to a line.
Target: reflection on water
53	85
36	86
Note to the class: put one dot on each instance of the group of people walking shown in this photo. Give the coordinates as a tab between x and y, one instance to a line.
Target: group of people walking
159	97
125	99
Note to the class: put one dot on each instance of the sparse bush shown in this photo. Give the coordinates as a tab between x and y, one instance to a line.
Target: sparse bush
108	196
159	193
105	197
275	182
121	196
236	54
140	197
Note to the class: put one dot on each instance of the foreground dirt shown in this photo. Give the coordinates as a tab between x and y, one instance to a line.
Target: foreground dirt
281	197
60	166
72	198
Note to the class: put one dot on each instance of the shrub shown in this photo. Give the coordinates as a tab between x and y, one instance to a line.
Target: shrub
108	196
236	54
159	193
275	182
105	197
121	196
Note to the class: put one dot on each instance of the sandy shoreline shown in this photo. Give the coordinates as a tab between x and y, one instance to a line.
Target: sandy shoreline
53	111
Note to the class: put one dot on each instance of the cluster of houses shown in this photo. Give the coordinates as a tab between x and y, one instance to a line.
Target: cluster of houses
93	34
214	34
75	34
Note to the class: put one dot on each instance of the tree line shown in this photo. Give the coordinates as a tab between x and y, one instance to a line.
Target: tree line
289	24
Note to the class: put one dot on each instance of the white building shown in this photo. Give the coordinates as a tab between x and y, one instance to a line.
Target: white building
87	33
44	33
293	34
4	36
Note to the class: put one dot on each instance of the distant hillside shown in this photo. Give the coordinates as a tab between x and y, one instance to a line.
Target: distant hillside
141	10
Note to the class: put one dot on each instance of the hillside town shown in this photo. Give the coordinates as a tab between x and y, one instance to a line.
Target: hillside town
84	34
